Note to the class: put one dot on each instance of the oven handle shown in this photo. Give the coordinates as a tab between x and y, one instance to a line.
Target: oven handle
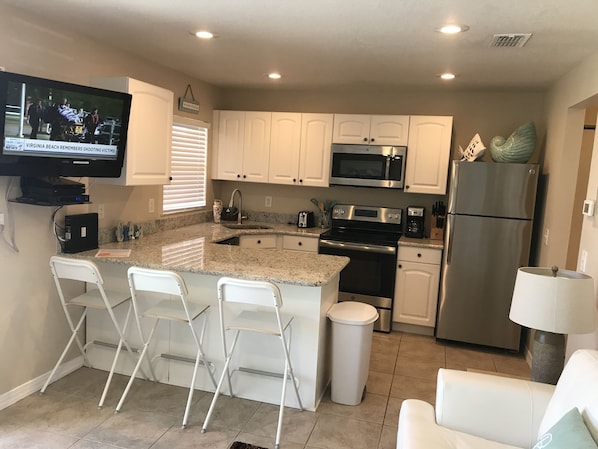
359	247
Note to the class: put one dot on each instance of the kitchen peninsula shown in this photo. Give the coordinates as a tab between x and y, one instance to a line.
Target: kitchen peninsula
309	286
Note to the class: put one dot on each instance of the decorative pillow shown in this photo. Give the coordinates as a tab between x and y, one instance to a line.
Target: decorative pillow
568	433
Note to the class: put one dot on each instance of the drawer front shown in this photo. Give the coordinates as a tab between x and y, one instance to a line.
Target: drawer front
297	243
258	241
420	255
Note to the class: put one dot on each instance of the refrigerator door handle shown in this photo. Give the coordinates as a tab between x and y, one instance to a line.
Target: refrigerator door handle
449	237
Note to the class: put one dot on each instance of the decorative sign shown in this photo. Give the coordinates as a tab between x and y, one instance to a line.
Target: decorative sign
188	104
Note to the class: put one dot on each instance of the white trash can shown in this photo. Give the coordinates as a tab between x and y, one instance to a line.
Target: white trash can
352	329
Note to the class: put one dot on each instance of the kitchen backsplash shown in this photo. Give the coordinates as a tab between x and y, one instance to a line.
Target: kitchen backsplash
108	234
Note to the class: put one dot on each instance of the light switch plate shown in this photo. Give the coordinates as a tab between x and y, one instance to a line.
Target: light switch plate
588	207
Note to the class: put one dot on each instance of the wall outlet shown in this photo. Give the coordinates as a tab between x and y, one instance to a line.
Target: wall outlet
1	219
268	201
583	260
150	206
100	211
546	236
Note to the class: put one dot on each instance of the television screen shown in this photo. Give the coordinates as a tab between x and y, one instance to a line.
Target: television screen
52	128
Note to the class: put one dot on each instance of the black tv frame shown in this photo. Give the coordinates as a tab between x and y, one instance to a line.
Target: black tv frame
61	165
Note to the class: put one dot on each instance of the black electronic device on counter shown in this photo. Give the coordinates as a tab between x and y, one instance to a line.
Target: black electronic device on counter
80	232
414	225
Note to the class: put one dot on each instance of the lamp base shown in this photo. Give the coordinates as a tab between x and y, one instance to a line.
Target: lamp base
548	357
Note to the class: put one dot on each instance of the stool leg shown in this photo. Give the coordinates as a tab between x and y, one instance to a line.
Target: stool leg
66	348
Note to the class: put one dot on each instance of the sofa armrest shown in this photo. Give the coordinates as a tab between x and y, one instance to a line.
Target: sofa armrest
418	428
497	408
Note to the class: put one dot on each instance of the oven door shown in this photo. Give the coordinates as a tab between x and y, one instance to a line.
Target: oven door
367	165
369	277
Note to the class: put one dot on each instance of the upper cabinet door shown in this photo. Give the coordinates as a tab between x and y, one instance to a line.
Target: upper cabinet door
316	140
428	154
371	129
256	146
147	158
351	128
389	130
229	141
285	146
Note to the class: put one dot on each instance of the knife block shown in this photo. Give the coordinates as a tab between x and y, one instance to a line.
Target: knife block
437	233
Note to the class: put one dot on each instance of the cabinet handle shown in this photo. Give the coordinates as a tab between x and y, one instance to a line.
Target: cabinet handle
419	254
238	176
372	140
299	243
244	176
259	242
365	139
406	187
400	266
294	180
300	181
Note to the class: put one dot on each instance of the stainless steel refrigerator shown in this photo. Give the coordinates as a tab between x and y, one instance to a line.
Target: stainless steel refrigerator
487	238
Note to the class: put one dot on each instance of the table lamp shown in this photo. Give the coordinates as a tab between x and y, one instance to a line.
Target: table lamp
553	302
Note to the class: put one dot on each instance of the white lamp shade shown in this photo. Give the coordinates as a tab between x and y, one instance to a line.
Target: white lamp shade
562	304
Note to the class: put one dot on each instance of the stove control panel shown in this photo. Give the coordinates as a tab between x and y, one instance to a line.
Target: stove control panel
367	213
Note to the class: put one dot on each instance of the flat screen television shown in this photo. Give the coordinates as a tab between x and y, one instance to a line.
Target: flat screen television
51	128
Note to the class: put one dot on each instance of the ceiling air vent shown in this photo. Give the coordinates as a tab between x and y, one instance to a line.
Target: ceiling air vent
510	40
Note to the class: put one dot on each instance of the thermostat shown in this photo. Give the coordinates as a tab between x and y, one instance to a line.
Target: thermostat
588	207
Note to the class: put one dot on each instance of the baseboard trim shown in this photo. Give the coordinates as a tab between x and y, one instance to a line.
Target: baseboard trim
22	391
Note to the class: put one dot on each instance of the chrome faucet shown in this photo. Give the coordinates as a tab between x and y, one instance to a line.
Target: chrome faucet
231	203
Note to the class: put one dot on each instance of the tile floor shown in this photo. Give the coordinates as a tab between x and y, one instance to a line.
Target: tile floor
402	366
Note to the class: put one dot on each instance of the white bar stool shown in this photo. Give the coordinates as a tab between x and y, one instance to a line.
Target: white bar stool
98	298
178	308
265	319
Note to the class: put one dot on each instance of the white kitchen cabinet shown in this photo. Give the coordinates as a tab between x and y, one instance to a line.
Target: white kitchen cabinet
371	129
428	154
300	243
258	241
147	158
243	145
300	149
416	287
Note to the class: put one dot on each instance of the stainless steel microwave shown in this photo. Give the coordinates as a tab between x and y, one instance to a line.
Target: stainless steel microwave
368	165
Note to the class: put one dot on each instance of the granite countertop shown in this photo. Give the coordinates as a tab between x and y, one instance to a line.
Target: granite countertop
421	243
194	249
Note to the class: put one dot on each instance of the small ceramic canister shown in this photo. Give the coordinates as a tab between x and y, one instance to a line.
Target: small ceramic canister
217	209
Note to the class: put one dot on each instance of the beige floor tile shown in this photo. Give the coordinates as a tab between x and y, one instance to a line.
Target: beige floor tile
388	439
512	365
383	362
378	383
418	367
338	432
229	413
386	343
463	358
371	409
391	419
20	437
425	348
296	425
132	429
192	438
406	387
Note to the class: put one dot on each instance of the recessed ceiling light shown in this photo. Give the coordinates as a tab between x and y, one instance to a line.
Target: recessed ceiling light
453	28
274	76
203	34
447	76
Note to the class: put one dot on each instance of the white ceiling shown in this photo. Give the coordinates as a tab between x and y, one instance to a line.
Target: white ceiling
341	43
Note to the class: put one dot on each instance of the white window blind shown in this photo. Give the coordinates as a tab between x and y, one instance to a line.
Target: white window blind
188	164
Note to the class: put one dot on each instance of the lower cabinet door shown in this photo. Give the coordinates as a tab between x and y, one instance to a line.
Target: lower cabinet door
416	293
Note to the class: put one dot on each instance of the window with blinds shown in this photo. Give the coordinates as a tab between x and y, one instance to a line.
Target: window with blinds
188	164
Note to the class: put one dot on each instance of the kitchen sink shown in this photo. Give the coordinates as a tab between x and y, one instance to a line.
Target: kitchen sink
245	226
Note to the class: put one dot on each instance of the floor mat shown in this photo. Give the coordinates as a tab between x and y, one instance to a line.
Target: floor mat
239	445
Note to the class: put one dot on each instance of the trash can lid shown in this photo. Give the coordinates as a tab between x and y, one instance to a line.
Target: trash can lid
352	312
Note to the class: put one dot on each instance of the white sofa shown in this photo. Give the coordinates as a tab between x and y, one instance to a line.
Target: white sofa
483	411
